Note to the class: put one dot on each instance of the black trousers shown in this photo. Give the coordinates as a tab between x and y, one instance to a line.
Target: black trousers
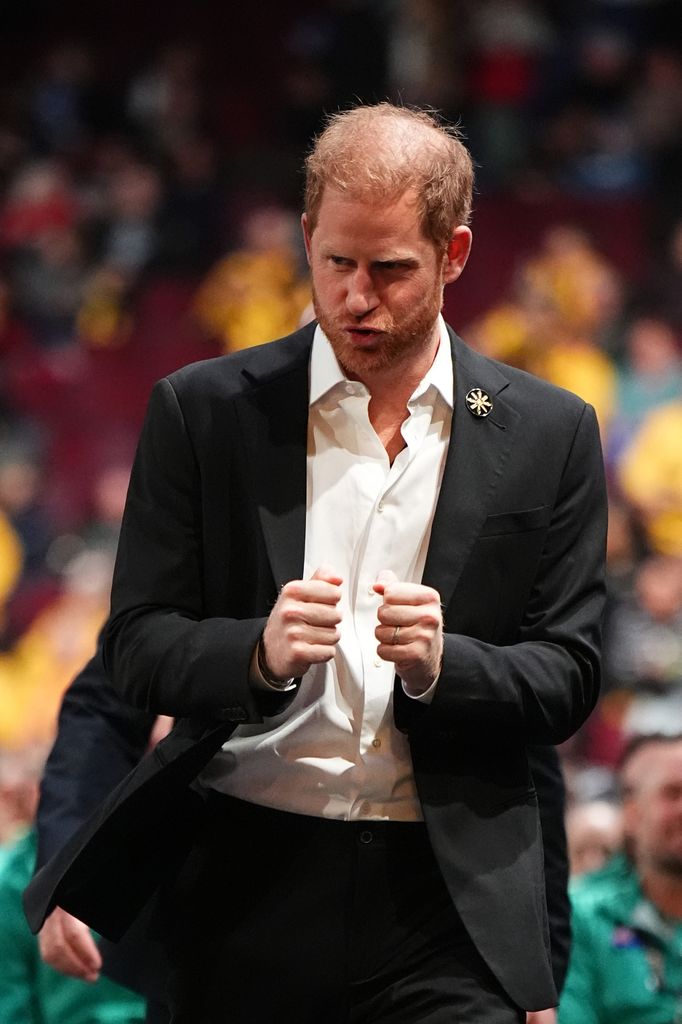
280	917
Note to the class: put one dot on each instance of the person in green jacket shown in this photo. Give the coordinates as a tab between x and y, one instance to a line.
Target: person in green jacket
30	991
626	960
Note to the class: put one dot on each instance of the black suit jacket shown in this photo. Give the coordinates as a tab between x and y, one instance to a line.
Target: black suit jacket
215	524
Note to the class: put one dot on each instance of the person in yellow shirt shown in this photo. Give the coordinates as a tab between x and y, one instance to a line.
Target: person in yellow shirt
650	476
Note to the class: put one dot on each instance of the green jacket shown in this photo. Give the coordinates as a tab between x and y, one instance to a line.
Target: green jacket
626	960
30	991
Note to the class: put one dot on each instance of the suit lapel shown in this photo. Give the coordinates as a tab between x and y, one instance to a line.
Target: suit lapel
476	460
273	415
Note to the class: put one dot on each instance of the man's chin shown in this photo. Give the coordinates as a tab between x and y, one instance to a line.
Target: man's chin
361	358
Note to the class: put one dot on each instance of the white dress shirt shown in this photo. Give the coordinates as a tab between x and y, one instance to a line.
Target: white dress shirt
335	751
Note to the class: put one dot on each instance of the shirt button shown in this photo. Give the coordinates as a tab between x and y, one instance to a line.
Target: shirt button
380	507
370	590
366	837
376	742
378	662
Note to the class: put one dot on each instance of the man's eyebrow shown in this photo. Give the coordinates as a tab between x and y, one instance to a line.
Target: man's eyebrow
404	259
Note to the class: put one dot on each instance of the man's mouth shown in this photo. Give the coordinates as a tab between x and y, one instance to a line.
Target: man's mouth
363	332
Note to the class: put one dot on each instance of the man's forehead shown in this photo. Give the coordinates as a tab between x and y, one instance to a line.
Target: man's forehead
655	765
373	196
390	221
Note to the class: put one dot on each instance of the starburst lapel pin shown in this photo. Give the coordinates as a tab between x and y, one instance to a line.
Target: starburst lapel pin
478	403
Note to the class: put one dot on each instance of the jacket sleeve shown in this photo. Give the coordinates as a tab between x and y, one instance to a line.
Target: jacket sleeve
99	740
543	685
163	648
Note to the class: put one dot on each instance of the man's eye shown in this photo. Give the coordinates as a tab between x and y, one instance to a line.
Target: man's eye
339	261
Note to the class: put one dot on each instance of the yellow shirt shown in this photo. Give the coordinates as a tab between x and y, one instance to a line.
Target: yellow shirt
650	475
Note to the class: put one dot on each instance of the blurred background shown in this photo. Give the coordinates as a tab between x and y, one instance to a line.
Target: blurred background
150	190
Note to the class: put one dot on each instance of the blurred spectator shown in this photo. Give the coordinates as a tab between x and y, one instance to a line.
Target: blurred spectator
574	276
594	833
127	209
164	101
129	236
337	55
623	552
625	966
191	216
58	99
11	559
657	112
658	100
643	647
651	376
508	40
650	476
425	53
604	154
21	480
108	501
20	772
258	292
36	671
104	318
49	284
664	288
39	199
566	297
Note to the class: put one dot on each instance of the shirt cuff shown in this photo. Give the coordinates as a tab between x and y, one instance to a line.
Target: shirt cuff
424	698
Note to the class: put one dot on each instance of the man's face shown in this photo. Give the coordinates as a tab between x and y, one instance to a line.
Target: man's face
656	809
377	281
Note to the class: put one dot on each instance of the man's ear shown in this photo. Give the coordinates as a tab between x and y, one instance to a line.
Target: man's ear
306	235
457	254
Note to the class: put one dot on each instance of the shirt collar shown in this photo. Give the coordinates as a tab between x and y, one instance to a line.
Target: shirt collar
326	373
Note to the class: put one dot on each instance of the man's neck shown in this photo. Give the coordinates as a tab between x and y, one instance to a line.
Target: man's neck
390	392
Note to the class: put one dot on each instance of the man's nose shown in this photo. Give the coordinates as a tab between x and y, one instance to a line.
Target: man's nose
361	297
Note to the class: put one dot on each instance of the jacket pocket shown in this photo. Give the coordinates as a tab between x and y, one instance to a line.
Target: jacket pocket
516	522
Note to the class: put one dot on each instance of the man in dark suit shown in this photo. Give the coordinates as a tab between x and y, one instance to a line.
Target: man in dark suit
362	568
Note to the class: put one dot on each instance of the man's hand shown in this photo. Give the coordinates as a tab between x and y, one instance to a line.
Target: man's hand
302	629
67	945
541	1017
410	630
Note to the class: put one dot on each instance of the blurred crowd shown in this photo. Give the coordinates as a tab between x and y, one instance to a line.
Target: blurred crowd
149	217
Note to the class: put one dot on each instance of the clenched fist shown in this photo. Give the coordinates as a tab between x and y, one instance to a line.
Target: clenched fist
302	629
410	630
